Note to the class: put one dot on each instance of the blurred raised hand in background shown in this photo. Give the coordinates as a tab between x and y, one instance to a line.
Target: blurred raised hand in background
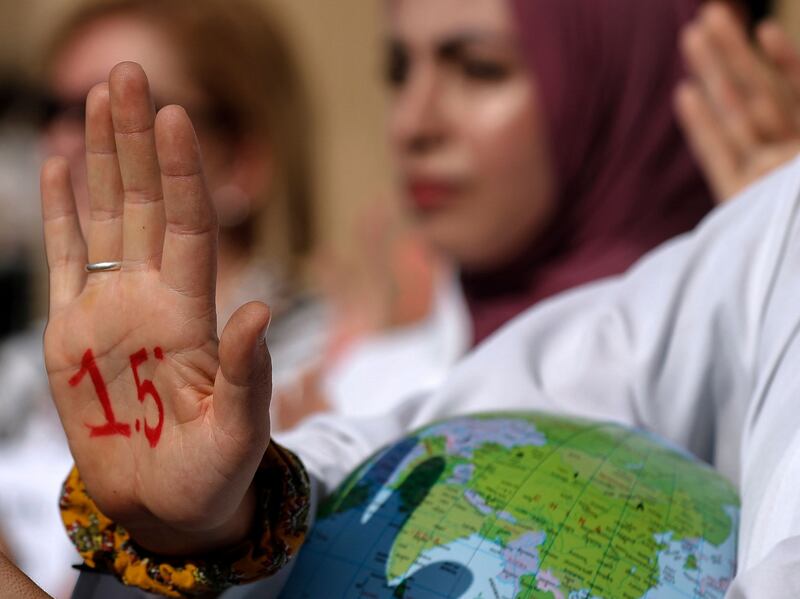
740	106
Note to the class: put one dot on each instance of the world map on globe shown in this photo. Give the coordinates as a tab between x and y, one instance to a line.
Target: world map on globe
524	506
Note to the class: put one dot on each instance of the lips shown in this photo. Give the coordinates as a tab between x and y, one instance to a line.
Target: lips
431	194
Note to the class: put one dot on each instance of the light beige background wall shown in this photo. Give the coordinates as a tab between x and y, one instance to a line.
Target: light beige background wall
789	13
339	47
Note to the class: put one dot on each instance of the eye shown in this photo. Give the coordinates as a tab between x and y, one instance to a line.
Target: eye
484	70
397	65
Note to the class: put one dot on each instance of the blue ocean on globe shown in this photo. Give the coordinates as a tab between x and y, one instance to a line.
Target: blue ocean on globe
524	506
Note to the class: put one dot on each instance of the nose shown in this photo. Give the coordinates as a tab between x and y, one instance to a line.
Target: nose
418	122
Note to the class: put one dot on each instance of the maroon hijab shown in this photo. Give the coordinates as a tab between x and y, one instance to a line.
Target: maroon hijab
625	181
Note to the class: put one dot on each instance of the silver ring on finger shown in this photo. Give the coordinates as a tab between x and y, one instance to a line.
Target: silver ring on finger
102	267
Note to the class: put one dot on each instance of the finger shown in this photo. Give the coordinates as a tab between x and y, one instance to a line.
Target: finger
133	116
708	141
243	386
723	97
781	51
735	52
64	245
761	92
104	181
189	260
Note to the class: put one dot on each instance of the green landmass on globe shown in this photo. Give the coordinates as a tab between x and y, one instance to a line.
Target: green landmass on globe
530	506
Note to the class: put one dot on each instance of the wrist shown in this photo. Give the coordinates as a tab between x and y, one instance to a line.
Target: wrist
278	524
168	541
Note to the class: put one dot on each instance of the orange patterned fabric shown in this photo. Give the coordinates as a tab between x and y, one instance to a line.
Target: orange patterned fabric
280	527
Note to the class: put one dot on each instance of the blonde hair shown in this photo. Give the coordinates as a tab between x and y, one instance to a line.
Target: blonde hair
237	56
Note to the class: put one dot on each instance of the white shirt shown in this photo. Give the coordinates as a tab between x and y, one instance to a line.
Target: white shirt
698	342
383	370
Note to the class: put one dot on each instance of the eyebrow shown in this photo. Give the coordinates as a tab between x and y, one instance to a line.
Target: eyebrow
454	44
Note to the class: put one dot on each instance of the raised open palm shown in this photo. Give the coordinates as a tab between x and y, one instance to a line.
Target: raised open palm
740	107
167	424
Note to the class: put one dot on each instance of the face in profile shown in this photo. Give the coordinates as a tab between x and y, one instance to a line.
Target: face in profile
466	129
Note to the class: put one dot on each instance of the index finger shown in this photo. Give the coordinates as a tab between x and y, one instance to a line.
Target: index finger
779	49
735	52
762	94
723	95
189	260
707	140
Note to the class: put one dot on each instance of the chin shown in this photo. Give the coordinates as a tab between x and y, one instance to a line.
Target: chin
467	248
461	251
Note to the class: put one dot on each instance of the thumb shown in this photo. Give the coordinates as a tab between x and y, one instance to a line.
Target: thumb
243	386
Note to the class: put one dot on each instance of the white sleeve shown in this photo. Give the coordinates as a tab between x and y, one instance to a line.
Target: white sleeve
697	342
669	346
330	446
776	577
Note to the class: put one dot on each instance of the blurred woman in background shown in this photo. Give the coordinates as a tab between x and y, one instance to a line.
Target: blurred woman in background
228	64
230	67
537	148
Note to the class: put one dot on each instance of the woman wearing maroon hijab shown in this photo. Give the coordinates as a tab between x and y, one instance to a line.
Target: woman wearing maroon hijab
623	178
537	147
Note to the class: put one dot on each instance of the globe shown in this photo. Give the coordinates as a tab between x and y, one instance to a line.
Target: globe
530	506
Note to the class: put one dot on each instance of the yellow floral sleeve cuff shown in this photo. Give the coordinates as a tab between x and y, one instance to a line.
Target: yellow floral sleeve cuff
279	529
